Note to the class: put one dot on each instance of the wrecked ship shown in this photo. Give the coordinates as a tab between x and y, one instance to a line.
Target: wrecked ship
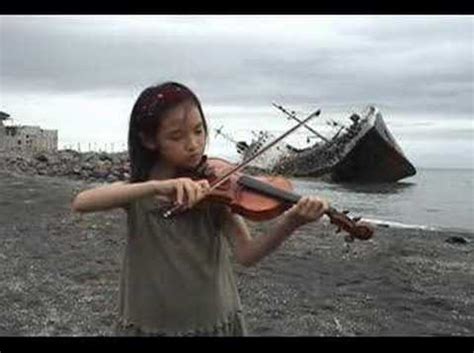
365	151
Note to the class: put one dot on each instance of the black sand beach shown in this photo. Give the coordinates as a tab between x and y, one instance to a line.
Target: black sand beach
60	274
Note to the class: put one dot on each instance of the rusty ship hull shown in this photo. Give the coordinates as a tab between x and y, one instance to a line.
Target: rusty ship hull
375	158
365	152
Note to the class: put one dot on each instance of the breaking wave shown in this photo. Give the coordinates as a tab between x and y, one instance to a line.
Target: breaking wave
392	224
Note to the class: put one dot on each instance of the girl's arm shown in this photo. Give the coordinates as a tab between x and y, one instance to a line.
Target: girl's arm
183	190
111	196
248	250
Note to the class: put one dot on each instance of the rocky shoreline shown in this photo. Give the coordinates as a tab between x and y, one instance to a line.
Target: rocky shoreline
90	166
60	273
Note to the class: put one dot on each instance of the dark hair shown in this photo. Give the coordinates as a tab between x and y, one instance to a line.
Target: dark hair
147	113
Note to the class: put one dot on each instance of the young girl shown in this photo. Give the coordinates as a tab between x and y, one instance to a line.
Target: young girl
177	277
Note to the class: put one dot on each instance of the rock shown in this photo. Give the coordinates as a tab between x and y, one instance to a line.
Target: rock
76	170
41	157
89	156
105	157
102	169
87	166
112	178
90	166
55	169
456	240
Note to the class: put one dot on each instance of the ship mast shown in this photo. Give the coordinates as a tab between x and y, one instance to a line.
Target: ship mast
292	116
223	134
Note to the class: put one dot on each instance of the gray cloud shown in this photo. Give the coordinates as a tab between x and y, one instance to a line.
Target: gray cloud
417	64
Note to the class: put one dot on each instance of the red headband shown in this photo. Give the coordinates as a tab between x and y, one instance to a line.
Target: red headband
164	97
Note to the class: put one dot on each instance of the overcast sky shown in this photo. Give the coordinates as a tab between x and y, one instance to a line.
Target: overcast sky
82	74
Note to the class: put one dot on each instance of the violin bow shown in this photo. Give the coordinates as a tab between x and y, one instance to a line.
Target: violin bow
243	164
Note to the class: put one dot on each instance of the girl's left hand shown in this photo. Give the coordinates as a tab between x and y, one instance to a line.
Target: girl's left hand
308	209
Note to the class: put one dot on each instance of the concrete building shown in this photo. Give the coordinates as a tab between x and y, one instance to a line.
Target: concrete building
17	138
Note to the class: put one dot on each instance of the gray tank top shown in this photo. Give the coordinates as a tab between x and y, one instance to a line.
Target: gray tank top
177	276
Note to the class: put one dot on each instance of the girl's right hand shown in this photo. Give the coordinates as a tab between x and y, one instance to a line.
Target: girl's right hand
183	191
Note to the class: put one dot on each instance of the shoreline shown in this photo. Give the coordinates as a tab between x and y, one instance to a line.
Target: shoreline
376	222
61	270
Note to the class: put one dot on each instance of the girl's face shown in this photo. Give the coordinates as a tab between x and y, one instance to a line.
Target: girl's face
181	137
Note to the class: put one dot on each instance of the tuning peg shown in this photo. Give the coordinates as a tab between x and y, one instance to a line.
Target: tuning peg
356	219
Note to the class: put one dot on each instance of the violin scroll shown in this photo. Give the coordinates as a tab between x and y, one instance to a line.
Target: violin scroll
355	228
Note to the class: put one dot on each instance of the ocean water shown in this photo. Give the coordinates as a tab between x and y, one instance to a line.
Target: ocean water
431	199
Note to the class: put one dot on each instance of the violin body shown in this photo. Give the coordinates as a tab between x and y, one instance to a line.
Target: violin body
242	200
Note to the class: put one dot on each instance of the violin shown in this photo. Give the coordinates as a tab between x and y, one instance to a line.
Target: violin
261	198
